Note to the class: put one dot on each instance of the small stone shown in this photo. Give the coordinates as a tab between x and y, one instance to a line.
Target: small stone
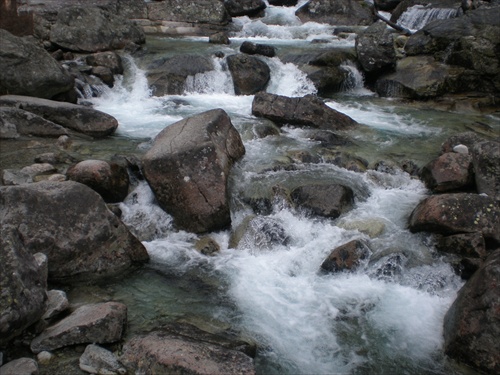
461	149
44	357
97	360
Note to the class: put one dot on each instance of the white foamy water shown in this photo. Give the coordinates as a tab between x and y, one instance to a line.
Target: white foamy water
417	16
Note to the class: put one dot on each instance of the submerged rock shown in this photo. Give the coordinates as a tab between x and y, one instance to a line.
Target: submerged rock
259	233
99	323
257	49
188	166
324	200
70	223
471	325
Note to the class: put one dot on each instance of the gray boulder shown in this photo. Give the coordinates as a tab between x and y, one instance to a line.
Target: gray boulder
79	118
201	11
306	111
168	77
108	59
23	284
188	166
251	8
71	224
250	75
97	360
457	213
486	162
327	200
257	49
336	12
375	49
164	352
471	325
57	303
100	323
92	29
27	69
24	366
15	122
108	179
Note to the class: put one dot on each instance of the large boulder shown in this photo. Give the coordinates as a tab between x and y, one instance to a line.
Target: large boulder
100	323
188	166
419	77
450	171
79	118
165	352
27	69
168	77
486	162
307	111
109	179
472	324
375	49
70	223
250	74
471	42
92	29
23	284
15	122
327	200
237	8
201	11
457	213
336	12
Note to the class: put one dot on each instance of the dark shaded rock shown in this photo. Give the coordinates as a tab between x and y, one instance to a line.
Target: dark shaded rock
308	111
285	3
98	323
82	119
109	179
486	162
418	77
324	200
250	75
457	213
336	12
104	74
201	11
187	168
467	139
257	49
165	352
92	29
467	245
70	223
346	257
387	5
450	171
27	69
168	77
24	366
15	122
375	49
97	360
471	325
237	8
467	267
108	59
23	284
259	233
219	38
328	138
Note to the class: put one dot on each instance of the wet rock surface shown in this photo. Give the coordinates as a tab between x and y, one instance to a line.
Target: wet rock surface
250	74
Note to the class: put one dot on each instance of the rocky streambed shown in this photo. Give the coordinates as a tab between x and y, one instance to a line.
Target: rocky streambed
238	201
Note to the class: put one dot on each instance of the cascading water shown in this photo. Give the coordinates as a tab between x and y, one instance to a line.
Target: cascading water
417	16
385	317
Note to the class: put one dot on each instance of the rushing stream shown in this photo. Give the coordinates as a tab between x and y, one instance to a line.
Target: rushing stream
384	318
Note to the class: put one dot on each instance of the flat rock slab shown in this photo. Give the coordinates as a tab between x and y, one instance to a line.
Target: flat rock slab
97	323
167	353
79	118
20	366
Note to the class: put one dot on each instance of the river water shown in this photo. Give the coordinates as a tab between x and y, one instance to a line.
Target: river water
384	318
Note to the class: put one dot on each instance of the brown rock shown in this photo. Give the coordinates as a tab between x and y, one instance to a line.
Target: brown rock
324	200
346	257
450	171
466	245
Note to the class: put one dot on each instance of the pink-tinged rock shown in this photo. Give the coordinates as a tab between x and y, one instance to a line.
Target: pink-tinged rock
450	171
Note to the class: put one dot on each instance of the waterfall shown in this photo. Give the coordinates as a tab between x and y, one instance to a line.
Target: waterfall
355	80
417	16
